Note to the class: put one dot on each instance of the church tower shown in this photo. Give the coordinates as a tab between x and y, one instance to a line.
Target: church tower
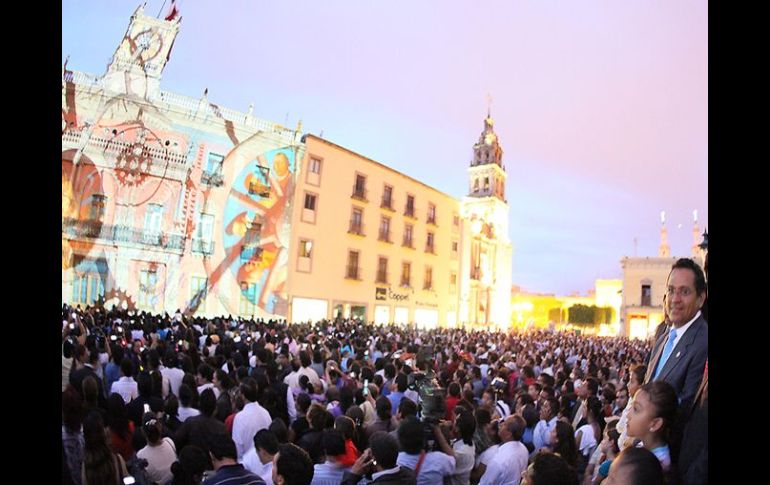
136	67
487	255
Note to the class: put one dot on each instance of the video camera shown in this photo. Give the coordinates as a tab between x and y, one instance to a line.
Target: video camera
432	404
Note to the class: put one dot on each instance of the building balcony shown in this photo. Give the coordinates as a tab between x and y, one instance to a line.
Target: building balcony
202	246
430	248
432	221
359	193
410	212
385	237
94	229
356	228
212	179
387	204
353	272
407	243
382	277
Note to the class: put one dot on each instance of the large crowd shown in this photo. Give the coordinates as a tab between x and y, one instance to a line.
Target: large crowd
179	399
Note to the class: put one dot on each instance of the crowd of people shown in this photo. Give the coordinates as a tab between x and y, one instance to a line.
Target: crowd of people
179	399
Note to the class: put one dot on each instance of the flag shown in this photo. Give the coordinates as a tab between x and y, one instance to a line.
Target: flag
173	12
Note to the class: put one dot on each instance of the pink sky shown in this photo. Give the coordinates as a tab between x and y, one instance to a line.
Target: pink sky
601	107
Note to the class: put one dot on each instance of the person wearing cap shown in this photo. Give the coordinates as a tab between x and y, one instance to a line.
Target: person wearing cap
228	471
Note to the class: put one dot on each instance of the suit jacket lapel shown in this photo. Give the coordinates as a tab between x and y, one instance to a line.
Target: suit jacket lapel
681	348
657	351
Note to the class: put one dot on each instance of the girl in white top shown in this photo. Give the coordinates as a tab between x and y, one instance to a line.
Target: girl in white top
585	436
160	453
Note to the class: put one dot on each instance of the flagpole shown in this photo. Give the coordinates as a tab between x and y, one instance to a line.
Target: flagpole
161	9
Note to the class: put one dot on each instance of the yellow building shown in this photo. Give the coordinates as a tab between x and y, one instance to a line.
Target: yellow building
371	243
538	311
644	284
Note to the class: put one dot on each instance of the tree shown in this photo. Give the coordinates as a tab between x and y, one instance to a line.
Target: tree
581	314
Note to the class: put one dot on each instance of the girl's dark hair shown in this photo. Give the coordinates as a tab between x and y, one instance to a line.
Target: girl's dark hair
98	460
191	463
71	409
565	443
117	416
663	398
151	428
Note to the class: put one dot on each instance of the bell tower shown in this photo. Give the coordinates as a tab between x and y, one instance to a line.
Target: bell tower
138	62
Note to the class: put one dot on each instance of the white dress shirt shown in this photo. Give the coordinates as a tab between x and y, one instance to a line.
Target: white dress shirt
434	468
126	387
506	466
174	376
252	463
465	457
251	419
542	435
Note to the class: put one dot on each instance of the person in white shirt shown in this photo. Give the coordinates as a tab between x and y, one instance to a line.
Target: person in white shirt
304	370
464	448
126	386
185	401
511	459
171	372
251	419
160	453
548	416
204	379
259	458
435	465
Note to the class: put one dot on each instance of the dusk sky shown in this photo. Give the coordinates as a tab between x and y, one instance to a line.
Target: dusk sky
601	107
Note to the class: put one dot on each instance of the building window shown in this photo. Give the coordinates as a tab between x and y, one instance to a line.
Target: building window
486	184
352	268
315	166
305	248
382	270
96	209
427	283
305	259
475	185
455	220
406	274
356	222
387	197
250	251
153	218
198	291
408	228
384	229
213	173
431	214
646	295
87	288
248	298
455	248
409	210
148	280
204	230
359	189
429	247
453	282
310	202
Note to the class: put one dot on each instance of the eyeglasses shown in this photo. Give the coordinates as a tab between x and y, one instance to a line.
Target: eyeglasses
682	291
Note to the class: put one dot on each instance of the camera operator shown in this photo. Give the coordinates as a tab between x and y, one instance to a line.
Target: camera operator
430	467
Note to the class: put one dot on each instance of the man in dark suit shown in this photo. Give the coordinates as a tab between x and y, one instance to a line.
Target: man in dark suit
679	356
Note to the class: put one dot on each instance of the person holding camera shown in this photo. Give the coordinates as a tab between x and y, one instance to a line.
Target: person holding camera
430	467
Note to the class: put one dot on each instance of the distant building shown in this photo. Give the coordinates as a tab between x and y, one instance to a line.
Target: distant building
644	284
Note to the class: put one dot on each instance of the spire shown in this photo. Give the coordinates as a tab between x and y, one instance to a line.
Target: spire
664	251
696	235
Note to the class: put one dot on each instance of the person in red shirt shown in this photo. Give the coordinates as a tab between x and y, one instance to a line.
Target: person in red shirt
452	400
348	428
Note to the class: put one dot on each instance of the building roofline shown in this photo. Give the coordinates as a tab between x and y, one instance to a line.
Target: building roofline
381	165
